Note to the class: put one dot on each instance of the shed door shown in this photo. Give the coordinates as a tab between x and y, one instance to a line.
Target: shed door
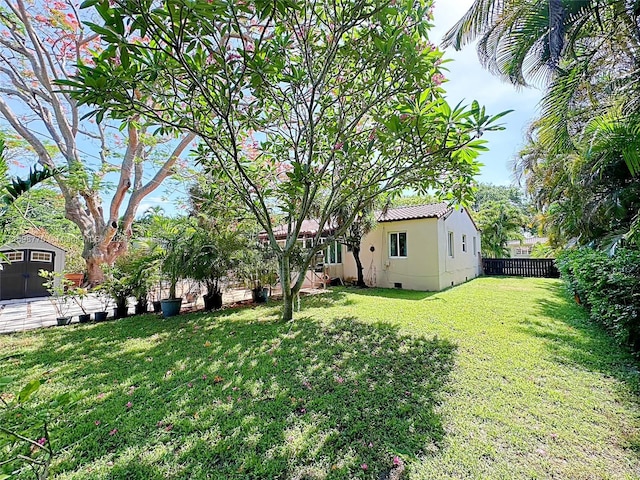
20	279
38	260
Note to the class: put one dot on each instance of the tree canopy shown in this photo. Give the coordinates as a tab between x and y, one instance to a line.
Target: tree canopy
41	43
291	101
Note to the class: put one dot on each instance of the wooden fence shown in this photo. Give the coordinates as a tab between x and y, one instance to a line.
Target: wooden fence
521	267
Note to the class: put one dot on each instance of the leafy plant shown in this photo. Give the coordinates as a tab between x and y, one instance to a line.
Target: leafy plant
609	287
24	434
60	290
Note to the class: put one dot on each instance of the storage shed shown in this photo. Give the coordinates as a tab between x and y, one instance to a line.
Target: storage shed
19	275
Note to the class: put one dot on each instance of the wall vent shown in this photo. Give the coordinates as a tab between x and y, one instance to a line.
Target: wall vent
397	285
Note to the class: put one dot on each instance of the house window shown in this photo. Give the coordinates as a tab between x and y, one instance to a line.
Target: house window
475	246
41	257
523	251
14	256
398	245
333	253
450	244
464	243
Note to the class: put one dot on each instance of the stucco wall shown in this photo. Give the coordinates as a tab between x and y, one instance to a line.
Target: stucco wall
462	266
427	265
418	271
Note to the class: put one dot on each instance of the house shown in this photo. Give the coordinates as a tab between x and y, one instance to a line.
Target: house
424	247
523	249
26	256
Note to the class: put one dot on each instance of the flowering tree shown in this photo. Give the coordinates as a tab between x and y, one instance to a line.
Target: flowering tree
302	106
39	44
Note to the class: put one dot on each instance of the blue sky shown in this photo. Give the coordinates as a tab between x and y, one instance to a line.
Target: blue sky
469	81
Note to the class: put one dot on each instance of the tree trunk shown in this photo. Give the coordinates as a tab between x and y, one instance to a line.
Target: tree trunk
359	267
285	282
97	254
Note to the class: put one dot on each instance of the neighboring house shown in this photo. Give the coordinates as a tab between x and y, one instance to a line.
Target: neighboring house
29	254
424	247
523	249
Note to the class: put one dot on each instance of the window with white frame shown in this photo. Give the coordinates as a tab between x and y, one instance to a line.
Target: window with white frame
523	251
398	245
464	243
41	257
475	246
333	253
13	257
450	244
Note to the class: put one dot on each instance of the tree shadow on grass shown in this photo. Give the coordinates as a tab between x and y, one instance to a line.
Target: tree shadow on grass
396	294
216	397
575	339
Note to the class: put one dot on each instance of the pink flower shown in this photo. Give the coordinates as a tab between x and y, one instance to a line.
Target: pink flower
204	377
364	466
100	396
339	379
97	422
189	384
113	432
42	441
129	404
338	145
397	461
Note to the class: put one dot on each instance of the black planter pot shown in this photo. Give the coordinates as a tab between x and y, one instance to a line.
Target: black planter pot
213	301
84	318
260	295
141	308
100	316
120	312
157	306
63	321
171	307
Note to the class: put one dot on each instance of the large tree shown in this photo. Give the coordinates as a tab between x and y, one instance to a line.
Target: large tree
41	43
582	161
293	101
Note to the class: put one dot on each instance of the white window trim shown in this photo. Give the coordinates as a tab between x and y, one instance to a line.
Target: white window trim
406	246
451	244
19	257
327	256
464	243
48	254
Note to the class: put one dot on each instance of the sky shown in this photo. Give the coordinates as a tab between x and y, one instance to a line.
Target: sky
468	81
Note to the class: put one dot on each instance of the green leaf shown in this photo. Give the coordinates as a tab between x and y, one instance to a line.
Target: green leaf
28	390
4	381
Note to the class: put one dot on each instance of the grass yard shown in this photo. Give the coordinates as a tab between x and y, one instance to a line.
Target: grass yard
494	379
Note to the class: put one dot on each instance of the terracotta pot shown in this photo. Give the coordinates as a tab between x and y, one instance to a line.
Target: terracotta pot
76	278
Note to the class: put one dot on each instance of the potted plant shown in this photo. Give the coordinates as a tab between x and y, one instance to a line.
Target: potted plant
60	290
118	286
259	269
213	255
141	267
170	247
105	301
79	294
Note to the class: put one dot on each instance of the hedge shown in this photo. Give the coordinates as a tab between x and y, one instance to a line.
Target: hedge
609	287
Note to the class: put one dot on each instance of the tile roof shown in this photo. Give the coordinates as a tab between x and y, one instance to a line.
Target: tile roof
413	212
431	210
309	227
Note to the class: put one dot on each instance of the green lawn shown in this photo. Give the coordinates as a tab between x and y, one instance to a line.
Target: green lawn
494	379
